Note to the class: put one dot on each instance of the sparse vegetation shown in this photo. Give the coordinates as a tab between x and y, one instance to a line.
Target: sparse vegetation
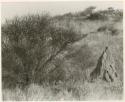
51	58
110	29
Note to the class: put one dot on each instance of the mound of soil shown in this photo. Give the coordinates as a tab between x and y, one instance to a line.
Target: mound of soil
105	68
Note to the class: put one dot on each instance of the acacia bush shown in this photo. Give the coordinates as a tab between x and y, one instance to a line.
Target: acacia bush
88	11
97	16
109	14
29	44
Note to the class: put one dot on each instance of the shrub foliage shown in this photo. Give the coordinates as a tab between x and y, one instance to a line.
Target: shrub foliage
29	44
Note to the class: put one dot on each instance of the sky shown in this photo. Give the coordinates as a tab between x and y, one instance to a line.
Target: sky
10	10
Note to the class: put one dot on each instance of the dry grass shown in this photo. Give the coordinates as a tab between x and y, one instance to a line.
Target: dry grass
77	91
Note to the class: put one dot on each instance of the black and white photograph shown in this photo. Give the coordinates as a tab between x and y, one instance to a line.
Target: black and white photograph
62	51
